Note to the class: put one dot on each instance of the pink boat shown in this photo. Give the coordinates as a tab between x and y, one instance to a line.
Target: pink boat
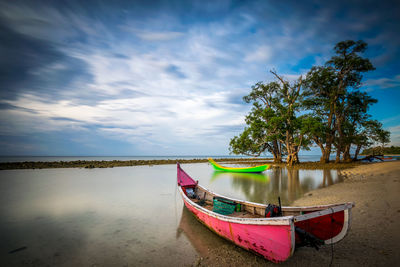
270	231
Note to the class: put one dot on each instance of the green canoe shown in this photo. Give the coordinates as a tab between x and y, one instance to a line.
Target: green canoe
218	167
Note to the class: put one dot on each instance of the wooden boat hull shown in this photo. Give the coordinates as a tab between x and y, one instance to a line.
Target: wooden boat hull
273	238
278	247
255	169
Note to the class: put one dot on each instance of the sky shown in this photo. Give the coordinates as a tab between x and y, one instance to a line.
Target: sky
137	78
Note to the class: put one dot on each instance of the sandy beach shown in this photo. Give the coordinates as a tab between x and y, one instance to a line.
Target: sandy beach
373	239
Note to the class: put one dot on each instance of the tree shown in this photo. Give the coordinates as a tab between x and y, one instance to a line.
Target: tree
371	132
320	97
326	91
348	66
262	133
356	125
383	137
273	123
337	111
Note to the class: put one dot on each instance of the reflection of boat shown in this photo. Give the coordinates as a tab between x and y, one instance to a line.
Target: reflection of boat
217	167
274	238
246	176
199	236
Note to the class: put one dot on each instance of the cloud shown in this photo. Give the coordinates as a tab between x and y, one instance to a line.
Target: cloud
34	65
394	135
156	120
384	83
261	53
162	77
158	36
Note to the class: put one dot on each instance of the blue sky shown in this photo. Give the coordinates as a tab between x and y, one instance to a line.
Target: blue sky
168	77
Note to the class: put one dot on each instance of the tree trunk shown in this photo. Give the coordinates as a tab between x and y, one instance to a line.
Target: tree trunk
357	152
277	152
278	158
340	135
346	154
292	157
324	157
291	160
326	152
338	152
297	157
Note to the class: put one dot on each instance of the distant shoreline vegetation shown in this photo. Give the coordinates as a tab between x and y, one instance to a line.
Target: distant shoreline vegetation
393	150
91	164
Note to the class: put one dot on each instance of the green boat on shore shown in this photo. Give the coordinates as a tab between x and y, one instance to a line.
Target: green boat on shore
217	167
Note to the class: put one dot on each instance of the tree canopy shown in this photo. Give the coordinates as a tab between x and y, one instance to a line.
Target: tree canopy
325	108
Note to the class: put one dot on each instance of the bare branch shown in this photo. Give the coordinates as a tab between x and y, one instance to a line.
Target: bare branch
279	77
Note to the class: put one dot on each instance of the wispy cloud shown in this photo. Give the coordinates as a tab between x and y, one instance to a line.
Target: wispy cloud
159	36
394	135
261	53
384	83
165	79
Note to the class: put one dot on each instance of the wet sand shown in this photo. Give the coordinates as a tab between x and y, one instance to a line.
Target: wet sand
373	239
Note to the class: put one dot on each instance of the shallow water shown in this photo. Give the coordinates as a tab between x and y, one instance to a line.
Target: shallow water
123	216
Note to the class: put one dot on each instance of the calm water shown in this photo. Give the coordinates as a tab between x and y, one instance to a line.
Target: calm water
126	215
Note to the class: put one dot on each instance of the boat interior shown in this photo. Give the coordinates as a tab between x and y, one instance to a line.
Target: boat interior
242	209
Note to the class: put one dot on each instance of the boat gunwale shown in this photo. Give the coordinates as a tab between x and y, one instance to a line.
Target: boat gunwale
287	208
316	211
319	213
284	220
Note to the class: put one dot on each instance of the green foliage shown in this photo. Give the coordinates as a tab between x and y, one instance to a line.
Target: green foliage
393	150
326	108
349	64
332	96
273	123
263	131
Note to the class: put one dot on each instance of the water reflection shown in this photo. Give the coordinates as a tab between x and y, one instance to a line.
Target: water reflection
263	178
81	217
288	184
124	216
199	236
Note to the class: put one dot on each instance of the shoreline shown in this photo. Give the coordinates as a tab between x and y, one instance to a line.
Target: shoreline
90	164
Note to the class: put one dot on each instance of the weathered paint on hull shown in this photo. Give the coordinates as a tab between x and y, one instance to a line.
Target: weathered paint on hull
273	242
